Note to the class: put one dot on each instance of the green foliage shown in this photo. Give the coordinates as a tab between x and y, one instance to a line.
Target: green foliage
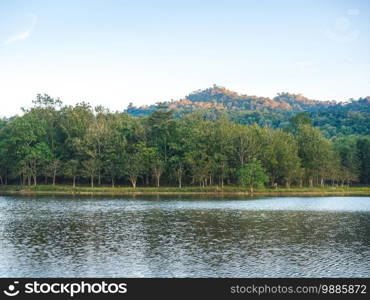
86	145
252	175
283	111
363	155
299	120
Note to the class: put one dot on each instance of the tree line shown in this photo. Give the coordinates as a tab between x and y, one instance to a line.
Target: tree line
55	143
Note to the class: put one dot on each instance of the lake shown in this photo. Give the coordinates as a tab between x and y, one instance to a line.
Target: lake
179	236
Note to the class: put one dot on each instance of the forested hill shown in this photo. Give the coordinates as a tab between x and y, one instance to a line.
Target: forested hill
333	118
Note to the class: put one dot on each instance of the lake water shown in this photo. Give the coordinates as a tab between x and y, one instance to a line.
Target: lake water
184	237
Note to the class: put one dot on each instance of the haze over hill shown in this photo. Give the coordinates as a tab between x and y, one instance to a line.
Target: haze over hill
333	117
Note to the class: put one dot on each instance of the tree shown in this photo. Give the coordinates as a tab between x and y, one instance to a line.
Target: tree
115	147
35	160
90	168
177	165
26	133
159	125
279	155
245	142
71	169
7	155
74	124
95	140
51	169
157	168
47	110
363	154
314	152
138	157
176	148
133	167
252	175
346	149
222	150
288	167
298	120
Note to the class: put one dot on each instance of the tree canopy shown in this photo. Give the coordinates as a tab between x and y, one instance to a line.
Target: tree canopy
59	144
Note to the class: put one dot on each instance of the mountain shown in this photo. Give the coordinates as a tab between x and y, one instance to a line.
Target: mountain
334	118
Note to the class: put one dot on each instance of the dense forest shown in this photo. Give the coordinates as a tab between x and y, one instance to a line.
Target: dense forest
333	118
58	144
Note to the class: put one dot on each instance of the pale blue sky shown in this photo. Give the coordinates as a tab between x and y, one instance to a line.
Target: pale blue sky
116	52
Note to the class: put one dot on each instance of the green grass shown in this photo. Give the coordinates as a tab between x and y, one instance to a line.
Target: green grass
105	190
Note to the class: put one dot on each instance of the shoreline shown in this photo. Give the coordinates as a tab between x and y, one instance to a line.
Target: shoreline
211	191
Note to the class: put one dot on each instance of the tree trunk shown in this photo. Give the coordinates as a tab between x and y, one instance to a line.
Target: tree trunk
322	182
54	176
133	181
179	176
92	181
35	180
74	181
1	180
251	189
112	182
311	182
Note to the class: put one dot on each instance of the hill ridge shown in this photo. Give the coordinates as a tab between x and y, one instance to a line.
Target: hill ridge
219	97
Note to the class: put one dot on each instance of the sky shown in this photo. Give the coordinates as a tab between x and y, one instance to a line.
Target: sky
116	52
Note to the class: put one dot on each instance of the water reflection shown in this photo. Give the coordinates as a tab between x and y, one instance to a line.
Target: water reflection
146	237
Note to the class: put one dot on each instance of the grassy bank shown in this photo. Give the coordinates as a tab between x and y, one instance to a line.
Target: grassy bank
83	190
